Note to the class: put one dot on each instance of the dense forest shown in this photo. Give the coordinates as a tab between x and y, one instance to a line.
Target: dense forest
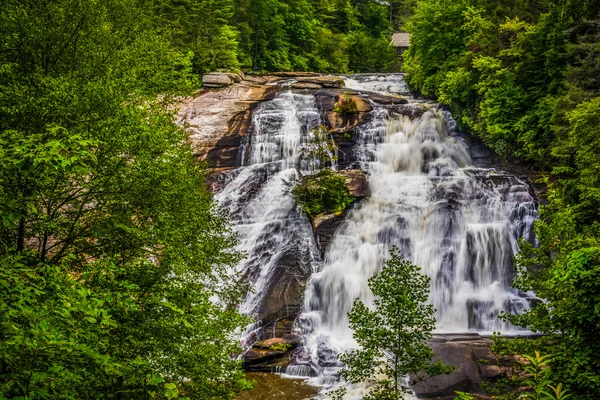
336	36
116	263
524	76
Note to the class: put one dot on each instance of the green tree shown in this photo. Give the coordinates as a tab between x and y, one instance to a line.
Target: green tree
392	335
203	27
115	259
564	270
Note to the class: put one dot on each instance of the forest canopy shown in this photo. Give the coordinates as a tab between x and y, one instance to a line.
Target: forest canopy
336	36
115	278
524	77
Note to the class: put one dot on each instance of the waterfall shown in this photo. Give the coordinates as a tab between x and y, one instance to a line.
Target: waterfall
269	226
459	223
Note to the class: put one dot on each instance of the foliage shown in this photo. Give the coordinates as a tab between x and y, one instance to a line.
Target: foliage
319	151
280	347
345	105
392	334
524	77
528	371
323	192
115	259
565	270
539	380
463	396
272	35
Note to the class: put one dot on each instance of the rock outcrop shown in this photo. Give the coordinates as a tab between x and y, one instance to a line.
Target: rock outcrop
476	367
216	80
325	225
306	85
323	81
341	122
270	355
218	120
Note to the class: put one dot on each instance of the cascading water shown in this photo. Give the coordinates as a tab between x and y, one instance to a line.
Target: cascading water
460	224
267	221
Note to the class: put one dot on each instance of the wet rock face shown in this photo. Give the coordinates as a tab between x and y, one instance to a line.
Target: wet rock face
325	225
340	122
356	182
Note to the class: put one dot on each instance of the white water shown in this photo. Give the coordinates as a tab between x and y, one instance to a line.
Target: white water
459	223
269	226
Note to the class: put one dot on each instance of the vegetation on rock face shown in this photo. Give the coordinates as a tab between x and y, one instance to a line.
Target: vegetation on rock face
113	281
323	191
392	335
345	105
524	76
529	377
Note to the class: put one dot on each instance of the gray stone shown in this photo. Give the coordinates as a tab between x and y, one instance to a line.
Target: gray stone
217	80
443	385
491	371
290	74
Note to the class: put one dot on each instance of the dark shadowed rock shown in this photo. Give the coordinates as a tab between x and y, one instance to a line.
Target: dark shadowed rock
325	225
444	386
476	367
260	360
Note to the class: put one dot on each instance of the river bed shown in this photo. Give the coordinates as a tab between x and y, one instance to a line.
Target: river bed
273	386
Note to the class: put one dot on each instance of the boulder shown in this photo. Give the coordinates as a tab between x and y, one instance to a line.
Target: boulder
343	122
442	386
217	80
476	367
387	100
265	360
340	122
261	80
234	77
306	85
323	81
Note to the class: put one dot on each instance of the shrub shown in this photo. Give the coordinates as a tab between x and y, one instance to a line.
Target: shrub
345	105
324	192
